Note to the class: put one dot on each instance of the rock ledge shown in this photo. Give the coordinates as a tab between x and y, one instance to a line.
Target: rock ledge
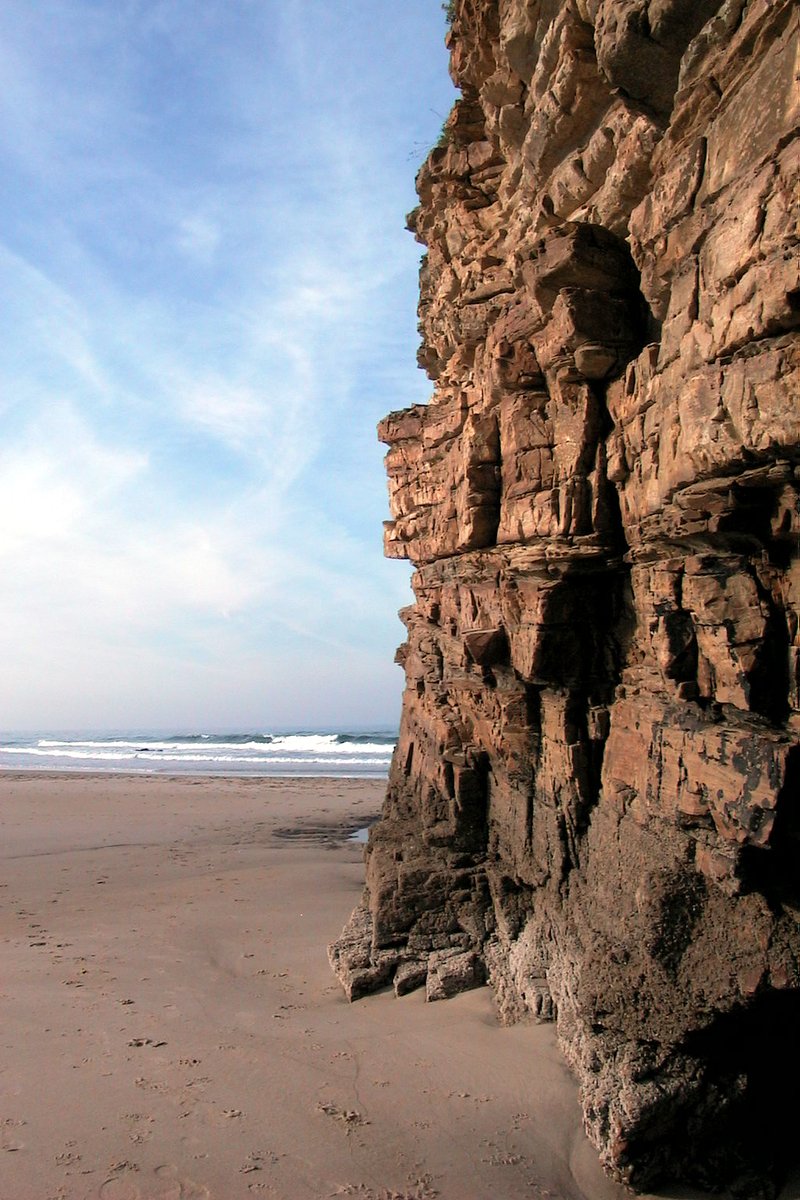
594	802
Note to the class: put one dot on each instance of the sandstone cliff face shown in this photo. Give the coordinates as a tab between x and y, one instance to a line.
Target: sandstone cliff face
595	799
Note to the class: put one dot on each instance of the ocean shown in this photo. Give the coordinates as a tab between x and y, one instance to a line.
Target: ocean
343	754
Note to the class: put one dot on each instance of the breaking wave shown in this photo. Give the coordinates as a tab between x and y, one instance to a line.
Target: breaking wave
307	753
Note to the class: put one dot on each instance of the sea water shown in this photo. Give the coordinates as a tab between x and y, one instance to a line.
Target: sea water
343	754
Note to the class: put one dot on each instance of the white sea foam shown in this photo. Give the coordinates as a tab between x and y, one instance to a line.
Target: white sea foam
304	744
157	756
319	753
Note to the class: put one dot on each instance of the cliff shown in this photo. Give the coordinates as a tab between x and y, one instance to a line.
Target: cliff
594	802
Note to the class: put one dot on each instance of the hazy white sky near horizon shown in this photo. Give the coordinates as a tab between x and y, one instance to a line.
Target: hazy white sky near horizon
208	302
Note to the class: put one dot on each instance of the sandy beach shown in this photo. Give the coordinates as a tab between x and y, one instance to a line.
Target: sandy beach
171	1029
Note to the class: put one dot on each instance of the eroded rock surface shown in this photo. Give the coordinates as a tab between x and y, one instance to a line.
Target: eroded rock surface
594	802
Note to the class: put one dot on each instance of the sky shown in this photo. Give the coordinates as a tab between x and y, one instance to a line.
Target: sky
207	302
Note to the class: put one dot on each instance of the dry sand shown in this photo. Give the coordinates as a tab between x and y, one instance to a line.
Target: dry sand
170	1028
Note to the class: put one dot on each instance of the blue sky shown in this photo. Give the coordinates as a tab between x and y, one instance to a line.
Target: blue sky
208	301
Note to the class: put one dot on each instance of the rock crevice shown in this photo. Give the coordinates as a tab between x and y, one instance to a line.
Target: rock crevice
594	801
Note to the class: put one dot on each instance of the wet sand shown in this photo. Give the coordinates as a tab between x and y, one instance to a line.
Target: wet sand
170	1028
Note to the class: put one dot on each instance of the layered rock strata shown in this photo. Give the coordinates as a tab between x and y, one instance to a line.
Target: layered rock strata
594	803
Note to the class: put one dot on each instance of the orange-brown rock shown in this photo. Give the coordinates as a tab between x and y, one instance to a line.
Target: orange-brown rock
595	799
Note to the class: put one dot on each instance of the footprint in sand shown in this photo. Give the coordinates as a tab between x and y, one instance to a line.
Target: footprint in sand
9	1142
140	1131
171	1187
119	1187
68	1158
167	1185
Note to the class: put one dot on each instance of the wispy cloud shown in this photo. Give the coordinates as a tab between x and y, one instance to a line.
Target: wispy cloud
198	237
213	304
